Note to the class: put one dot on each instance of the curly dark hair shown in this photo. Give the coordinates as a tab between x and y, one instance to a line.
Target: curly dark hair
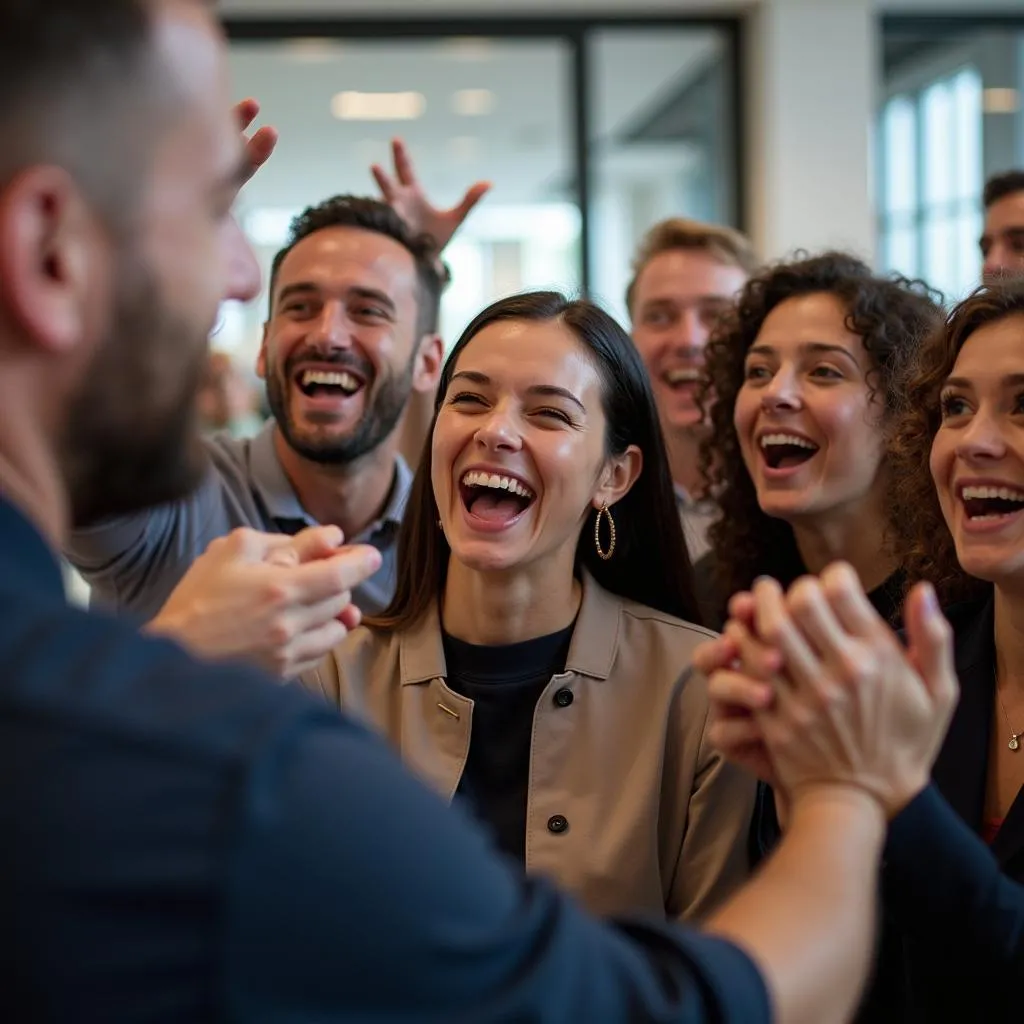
922	538
890	314
347	211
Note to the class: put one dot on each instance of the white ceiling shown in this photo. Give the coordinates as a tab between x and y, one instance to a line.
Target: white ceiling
524	145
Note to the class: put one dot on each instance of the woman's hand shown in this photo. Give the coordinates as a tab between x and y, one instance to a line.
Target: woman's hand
739	669
814	687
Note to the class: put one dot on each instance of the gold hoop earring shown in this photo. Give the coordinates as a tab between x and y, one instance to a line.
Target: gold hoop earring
604	511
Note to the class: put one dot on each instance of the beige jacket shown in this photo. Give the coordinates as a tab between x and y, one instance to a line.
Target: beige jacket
629	808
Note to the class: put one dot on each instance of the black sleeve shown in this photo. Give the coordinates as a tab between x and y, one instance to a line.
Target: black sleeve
945	889
765	831
355	894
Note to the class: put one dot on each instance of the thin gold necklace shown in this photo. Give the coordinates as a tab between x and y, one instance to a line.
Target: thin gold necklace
1015	737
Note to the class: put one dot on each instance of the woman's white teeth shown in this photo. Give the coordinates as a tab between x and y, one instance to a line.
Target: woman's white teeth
982	493
769	440
681	376
342	380
476	478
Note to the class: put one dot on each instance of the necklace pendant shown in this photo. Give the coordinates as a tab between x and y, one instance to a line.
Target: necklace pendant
1015	741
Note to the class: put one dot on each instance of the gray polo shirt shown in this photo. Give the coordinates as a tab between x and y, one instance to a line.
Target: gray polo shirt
697	517
133	563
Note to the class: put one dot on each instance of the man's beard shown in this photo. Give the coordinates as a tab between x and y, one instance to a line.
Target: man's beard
132	438
386	399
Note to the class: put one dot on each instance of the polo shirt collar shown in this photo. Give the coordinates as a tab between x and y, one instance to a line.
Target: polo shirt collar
282	504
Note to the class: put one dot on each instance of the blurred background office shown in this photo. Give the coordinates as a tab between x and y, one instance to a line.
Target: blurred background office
806	123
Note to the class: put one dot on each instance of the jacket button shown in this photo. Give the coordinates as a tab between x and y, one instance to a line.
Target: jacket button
564	698
557	824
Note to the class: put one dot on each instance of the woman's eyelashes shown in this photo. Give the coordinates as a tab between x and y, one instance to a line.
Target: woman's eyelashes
760	373
469	399
952	405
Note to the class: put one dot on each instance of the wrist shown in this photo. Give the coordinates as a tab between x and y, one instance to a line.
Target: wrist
839	802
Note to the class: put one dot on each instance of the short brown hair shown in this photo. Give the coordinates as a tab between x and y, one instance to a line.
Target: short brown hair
726	245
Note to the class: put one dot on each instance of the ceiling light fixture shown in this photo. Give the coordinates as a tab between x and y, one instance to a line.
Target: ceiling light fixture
1000	101
473	102
378	106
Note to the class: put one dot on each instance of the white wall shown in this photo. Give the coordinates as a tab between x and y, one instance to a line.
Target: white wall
811	80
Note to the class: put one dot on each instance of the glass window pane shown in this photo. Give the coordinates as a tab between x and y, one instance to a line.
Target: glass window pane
899	139
937	153
941	254
662	141
967	150
488	108
900	251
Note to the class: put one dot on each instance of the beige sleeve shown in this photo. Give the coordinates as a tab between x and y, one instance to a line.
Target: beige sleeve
324	680
714	855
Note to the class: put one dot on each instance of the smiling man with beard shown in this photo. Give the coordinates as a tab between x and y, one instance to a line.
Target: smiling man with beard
351	334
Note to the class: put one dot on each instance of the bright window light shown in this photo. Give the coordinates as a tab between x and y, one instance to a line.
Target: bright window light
378	106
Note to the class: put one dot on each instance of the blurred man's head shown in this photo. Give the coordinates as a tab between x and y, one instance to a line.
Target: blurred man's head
352	328
685	275
1002	243
120	164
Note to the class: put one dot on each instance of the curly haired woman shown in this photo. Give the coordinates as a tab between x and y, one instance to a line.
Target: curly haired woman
804	375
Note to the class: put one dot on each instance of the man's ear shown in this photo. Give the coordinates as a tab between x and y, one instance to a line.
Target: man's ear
55	260
429	362
618	477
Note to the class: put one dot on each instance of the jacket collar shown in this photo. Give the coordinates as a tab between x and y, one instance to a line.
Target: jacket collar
961	769
591	653
27	564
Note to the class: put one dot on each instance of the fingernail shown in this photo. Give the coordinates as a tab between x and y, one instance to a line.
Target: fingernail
931	602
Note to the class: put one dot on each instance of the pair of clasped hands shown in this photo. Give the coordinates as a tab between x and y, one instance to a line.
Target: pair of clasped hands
810	689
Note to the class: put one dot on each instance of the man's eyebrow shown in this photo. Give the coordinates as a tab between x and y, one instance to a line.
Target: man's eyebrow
298	288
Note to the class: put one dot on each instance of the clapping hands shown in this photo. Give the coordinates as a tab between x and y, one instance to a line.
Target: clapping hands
813	687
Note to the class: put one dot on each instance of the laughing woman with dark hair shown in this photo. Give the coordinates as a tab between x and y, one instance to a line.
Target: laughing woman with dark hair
536	661
804	372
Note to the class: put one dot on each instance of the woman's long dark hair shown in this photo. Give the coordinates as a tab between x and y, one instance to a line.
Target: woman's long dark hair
650	564
922	538
890	314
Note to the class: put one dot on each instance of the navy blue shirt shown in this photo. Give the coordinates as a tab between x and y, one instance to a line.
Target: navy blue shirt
181	842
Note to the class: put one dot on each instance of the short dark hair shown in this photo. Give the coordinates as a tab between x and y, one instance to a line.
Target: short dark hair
999	186
650	564
923	541
78	81
348	211
892	315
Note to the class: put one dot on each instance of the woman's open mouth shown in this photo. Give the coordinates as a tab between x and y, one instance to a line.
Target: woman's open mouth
985	504
494	501
786	451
